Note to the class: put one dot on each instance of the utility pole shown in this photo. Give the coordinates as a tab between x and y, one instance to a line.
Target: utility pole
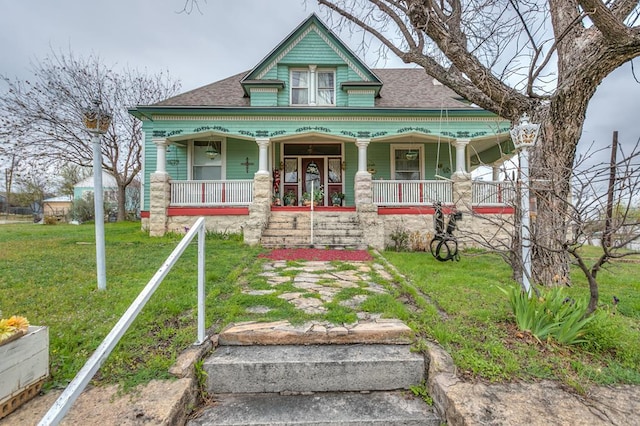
608	224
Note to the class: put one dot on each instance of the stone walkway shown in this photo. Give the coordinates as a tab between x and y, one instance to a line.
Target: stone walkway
315	284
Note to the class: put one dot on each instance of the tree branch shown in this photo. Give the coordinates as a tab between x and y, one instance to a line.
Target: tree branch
609	25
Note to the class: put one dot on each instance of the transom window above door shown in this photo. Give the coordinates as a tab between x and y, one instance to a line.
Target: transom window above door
313	86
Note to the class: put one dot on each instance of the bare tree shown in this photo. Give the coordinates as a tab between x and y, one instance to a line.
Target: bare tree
45	115
511	57
605	210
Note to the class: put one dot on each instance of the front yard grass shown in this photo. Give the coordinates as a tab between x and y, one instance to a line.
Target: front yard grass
47	273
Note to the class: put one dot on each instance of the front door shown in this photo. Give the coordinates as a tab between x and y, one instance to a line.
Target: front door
312	173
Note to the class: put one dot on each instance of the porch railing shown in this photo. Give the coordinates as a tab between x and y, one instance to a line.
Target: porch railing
411	192
492	193
211	192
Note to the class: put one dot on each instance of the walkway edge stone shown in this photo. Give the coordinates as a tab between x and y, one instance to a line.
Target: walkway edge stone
382	331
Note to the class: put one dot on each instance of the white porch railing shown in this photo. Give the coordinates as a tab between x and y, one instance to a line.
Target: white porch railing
492	193
411	192
211	192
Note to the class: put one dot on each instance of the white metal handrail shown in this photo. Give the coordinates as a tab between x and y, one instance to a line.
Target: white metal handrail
211	192
64	402
411	192
488	193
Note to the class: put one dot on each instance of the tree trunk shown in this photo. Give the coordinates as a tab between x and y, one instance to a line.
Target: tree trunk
122	202
551	167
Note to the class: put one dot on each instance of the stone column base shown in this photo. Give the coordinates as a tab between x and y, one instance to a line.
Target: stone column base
160	197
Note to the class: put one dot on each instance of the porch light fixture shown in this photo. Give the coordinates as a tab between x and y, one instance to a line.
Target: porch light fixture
212	151
524	136
411	155
97	122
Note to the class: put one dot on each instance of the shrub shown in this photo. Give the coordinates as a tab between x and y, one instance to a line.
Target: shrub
400	238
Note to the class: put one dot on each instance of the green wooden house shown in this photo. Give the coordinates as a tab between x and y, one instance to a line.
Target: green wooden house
311	121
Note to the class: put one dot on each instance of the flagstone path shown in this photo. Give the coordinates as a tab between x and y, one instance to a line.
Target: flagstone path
316	284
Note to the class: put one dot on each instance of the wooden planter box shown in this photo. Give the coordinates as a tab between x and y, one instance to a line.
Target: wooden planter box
24	366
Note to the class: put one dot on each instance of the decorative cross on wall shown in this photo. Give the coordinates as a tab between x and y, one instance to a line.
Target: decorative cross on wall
246	164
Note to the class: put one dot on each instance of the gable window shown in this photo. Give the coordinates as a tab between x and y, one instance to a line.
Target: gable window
326	88
300	87
313	86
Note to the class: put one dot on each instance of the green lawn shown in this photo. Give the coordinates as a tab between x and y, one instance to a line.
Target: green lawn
47	273
463	309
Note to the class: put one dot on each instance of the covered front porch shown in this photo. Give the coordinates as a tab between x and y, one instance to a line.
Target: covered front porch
376	177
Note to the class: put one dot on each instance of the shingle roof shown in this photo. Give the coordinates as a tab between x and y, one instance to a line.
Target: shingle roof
402	88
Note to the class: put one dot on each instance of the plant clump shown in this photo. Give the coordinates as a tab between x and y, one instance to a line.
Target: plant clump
9	327
551	316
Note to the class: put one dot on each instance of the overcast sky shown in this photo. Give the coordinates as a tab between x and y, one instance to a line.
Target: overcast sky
230	36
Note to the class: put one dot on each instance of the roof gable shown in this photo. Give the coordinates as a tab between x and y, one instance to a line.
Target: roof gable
294	50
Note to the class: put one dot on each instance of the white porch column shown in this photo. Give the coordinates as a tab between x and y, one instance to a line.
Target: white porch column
263	161
159	191
461	158
161	154
362	145
495	172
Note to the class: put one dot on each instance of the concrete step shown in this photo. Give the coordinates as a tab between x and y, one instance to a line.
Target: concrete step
312	368
351	409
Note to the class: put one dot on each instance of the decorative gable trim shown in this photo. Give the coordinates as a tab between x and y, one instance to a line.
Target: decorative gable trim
264	90
313	23
361	92
324	37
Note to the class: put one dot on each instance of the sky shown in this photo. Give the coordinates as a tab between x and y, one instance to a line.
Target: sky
227	37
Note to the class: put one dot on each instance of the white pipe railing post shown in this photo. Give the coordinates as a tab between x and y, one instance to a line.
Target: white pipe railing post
313	199
201	276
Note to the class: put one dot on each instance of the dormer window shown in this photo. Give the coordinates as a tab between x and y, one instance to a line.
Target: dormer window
313	86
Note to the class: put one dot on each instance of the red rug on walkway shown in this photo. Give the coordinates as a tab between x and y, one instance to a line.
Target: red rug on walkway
318	255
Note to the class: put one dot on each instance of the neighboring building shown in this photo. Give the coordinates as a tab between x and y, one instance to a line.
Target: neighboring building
391	141
57	206
85	186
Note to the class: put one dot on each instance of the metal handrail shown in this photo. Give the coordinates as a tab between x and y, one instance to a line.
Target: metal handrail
64	402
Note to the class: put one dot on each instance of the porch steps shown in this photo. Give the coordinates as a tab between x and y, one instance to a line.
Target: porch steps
331	229
314	384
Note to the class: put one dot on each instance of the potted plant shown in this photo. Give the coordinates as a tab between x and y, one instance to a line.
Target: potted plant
337	198
289	198
317	197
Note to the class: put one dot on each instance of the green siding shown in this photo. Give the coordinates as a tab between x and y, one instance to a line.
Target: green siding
264	99
237	152
360	99
312	49
283	95
272	74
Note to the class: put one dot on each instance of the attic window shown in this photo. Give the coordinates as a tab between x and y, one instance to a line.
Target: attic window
313	86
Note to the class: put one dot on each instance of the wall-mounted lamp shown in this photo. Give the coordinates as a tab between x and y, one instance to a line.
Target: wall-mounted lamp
344	165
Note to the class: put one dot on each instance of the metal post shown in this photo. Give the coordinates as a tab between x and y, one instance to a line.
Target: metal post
201	274
312	202
98	204
526	232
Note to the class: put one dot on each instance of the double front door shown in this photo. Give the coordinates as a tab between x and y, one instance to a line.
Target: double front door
306	176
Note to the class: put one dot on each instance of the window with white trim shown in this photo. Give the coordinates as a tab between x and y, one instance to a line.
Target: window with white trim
313	86
299	87
407	162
